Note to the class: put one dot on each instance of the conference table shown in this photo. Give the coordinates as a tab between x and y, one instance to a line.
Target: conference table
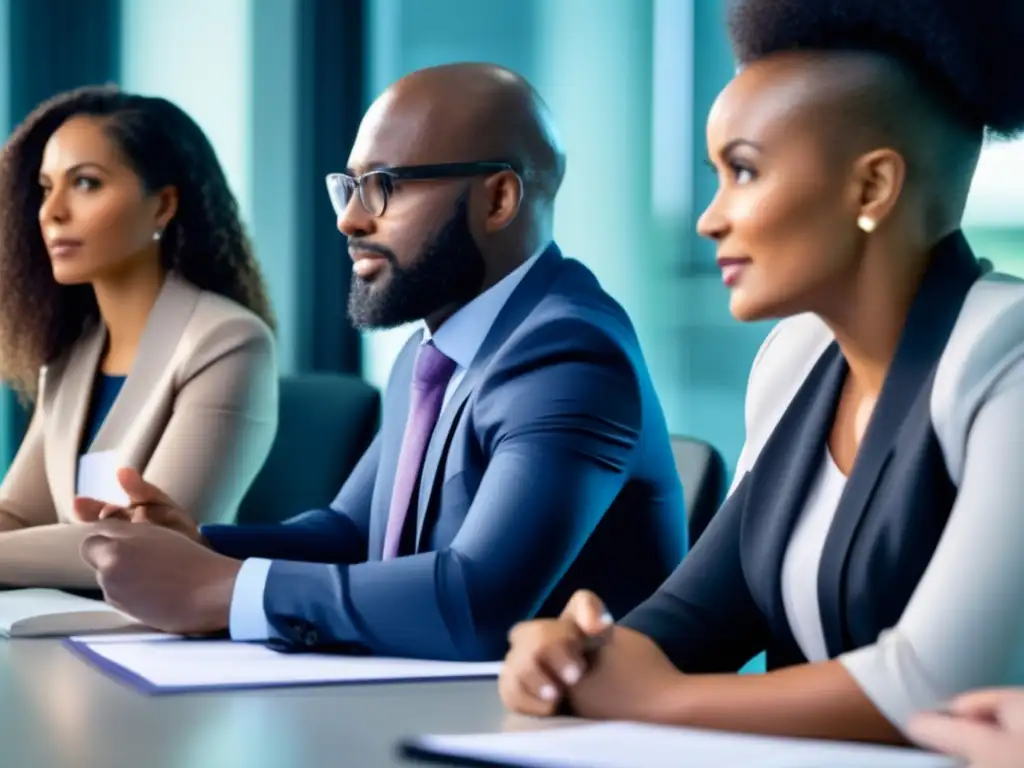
57	710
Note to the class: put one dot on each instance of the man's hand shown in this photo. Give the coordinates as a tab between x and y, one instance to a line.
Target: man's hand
548	656
147	504
162	578
985	728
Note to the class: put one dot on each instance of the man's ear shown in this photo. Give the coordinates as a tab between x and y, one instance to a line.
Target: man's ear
504	196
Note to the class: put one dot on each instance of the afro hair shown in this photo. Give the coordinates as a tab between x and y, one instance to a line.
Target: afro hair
969	50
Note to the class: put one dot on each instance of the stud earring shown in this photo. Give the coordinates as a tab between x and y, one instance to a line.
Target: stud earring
157	235
866	223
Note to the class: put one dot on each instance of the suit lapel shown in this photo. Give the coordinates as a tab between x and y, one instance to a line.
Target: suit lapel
522	301
66	423
164	328
781	479
952	272
392	433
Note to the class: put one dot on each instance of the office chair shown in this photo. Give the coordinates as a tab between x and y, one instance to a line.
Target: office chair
325	423
703	474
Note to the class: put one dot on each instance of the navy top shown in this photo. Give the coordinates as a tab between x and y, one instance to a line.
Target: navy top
104	393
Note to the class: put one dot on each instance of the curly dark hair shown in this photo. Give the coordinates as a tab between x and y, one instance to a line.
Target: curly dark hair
205	242
967	51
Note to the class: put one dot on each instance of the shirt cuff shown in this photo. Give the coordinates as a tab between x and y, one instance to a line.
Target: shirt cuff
893	678
248	619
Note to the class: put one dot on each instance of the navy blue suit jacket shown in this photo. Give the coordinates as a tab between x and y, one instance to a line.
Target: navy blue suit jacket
550	470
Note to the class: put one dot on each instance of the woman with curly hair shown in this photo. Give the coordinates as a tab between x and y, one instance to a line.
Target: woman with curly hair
134	318
871	540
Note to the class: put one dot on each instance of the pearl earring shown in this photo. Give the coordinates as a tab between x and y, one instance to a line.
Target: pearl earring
157	235
866	223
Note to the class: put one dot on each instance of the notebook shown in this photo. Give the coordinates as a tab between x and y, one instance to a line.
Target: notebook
628	745
169	664
52	613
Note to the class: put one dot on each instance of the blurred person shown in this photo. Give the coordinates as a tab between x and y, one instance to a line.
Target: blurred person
870	542
983	728
134	318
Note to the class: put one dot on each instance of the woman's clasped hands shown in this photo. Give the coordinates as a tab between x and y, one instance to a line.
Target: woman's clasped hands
583	664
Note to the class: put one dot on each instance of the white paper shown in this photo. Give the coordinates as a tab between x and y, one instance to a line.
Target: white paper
52	613
184	664
628	745
97	478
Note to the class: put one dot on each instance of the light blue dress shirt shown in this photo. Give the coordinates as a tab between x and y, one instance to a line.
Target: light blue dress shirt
460	338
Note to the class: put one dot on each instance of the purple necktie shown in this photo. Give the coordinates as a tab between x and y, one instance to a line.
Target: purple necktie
430	378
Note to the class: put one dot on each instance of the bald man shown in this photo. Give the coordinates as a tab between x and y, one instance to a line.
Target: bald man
523	453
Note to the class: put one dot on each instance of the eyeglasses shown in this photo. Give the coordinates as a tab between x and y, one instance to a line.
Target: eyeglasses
376	187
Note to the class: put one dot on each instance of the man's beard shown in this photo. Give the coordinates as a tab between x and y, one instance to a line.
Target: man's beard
449	271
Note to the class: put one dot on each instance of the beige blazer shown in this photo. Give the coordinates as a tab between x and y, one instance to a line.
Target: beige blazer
196	415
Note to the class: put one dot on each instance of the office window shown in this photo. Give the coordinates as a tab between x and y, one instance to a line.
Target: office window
211	83
994	220
258	78
997	196
215	84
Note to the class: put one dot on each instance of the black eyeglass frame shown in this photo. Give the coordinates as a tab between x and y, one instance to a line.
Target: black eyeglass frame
428	172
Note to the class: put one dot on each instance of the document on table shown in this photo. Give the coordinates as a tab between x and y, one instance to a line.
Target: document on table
627	745
170	664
